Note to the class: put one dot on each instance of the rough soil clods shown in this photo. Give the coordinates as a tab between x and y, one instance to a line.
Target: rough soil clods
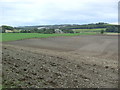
84	61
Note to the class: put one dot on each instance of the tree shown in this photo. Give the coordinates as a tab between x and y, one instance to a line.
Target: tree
118	28
23	31
34	30
49	31
5	27
67	30
102	31
41	30
112	28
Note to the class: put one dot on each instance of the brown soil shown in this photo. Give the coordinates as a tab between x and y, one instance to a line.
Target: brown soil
84	61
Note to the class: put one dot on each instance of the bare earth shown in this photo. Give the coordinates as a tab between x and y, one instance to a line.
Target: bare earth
86	61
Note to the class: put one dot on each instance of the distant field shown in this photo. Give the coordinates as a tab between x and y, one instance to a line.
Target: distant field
89	30
20	36
112	33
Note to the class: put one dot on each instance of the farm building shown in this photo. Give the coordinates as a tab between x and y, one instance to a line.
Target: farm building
58	31
43	28
8	31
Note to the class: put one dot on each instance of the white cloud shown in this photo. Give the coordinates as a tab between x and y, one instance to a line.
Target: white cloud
27	12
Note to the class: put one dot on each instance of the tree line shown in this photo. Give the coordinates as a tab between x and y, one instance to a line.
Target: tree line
66	29
35	30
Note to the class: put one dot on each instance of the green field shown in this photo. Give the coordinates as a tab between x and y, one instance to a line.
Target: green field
89	30
21	36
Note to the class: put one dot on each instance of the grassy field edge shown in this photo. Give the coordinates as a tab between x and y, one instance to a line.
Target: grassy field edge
20	36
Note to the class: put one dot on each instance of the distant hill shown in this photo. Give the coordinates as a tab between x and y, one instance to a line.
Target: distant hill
66	26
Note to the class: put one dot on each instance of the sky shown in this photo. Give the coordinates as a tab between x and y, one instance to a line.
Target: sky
50	12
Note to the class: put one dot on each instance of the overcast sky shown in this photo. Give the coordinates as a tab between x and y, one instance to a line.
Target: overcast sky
39	12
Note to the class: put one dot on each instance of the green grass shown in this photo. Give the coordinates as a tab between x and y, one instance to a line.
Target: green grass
0	87
21	36
89	30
